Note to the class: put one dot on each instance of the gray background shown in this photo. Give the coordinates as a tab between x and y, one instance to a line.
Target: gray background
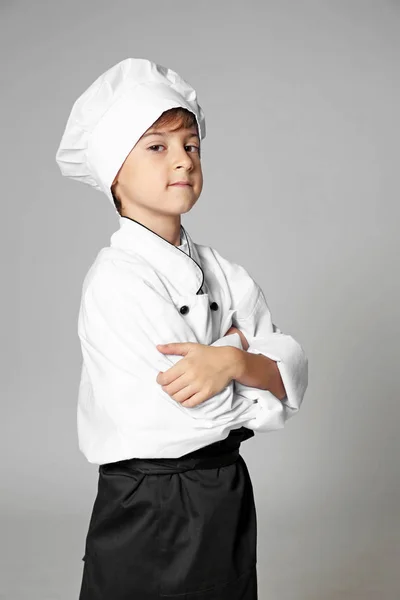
301	187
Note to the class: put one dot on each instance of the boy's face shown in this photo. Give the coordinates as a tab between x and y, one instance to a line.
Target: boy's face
159	159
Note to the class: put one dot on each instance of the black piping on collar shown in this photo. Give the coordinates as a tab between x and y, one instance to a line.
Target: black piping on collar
200	290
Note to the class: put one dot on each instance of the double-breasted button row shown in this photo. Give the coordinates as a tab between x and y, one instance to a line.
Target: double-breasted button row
185	309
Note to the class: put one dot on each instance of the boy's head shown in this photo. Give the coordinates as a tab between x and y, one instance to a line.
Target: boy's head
167	152
105	142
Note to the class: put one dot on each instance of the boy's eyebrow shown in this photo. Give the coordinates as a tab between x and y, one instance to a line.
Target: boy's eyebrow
164	133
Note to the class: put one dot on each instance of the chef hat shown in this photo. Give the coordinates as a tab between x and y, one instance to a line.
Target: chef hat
108	119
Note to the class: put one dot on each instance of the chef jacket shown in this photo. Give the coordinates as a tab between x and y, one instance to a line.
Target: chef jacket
141	291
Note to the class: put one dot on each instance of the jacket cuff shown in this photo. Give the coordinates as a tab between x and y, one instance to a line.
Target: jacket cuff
292	364
293	367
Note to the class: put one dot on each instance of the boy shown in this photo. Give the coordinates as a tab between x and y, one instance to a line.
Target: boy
181	360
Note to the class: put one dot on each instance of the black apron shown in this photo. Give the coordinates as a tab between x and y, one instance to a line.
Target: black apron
179	528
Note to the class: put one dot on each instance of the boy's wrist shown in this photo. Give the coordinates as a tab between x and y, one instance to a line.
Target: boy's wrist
235	361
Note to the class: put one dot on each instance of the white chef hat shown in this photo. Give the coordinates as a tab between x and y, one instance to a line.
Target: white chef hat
108	119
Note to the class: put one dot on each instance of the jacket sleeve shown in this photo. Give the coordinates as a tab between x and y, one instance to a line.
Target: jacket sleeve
251	314
122	318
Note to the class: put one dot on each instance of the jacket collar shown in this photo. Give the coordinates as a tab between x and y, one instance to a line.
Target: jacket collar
183	270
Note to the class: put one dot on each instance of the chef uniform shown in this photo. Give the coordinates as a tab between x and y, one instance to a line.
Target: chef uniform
174	515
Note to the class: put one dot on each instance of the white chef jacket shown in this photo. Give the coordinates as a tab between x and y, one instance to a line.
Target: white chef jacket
140	291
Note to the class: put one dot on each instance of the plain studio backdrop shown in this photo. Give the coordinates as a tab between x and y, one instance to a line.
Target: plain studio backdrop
301	187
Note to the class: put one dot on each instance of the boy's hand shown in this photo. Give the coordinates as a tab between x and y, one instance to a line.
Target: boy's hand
204	371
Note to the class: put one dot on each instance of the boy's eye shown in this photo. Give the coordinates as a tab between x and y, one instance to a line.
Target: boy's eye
161	146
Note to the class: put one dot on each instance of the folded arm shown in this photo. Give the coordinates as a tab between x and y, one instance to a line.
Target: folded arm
251	315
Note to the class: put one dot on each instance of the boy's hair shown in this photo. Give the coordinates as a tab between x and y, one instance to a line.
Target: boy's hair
181	117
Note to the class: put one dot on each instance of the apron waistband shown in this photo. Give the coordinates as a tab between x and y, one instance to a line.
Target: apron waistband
157	466
218	454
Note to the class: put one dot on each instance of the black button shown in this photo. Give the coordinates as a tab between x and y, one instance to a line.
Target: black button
214	306
184	309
